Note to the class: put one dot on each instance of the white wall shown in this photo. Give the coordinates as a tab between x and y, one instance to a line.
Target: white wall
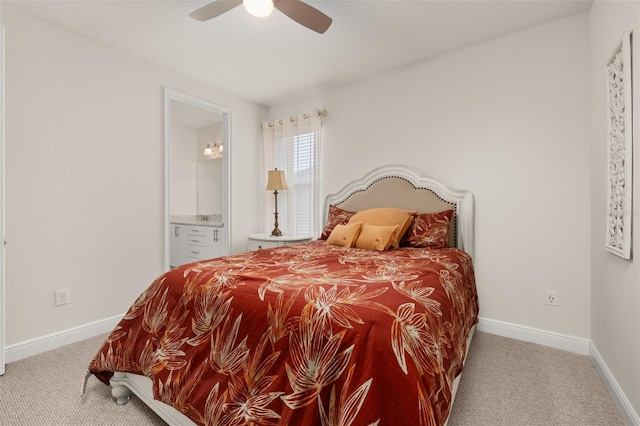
615	289
210	173
196	180
85	174
508	120
183	180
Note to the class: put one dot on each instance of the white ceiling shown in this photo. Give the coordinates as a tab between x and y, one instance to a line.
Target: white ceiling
274	59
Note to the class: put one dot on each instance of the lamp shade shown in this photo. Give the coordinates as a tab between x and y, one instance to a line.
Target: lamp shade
276	180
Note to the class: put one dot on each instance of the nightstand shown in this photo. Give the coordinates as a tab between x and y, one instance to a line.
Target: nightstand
263	241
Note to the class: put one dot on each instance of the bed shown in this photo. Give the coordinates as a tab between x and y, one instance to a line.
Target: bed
311	333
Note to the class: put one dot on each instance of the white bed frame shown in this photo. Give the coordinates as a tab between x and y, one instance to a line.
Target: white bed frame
388	186
406	188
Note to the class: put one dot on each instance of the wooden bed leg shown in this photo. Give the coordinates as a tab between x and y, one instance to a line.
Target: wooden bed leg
120	392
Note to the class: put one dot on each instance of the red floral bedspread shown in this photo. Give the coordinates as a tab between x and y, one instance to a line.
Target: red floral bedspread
305	334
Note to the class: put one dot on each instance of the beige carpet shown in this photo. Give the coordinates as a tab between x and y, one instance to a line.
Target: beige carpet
506	382
46	390
509	382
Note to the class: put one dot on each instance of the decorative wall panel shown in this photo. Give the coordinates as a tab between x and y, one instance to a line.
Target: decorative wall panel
619	149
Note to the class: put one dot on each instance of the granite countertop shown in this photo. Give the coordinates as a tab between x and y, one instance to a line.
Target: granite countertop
198	223
214	220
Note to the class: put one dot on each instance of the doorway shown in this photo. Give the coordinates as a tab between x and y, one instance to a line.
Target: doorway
193	127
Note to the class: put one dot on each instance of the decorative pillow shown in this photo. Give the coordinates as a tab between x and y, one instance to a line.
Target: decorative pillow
429	230
336	216
374	237
345	235
387	216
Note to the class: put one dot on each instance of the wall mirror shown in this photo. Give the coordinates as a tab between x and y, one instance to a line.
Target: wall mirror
197	179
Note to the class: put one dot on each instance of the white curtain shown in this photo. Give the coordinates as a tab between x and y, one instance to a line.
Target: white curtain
293	145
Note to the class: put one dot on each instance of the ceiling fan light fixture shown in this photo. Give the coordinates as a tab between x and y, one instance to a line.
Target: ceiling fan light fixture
259	8
297	10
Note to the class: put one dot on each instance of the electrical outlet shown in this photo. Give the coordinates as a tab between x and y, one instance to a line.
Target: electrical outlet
62	297
551	298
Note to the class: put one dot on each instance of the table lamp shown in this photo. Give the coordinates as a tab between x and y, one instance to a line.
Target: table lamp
275	183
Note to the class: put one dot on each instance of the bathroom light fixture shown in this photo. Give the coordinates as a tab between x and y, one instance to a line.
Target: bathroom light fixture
259	8
214	151
276	182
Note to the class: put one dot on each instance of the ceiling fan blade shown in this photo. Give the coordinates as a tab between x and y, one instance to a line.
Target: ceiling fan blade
214	9
304	14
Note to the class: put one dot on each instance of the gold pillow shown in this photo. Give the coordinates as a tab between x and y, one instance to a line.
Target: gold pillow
373	237
387	216
344	235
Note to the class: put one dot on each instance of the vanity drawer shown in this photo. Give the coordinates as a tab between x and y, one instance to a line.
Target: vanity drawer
197	230
196	252
197	240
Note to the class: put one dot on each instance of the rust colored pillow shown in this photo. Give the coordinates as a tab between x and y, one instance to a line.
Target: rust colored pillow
335	217
387	216
345	235
430	230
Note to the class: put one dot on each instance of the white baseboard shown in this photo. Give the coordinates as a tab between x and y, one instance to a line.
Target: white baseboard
534	335
622	402
51	341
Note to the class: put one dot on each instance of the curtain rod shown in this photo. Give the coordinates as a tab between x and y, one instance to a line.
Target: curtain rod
320	112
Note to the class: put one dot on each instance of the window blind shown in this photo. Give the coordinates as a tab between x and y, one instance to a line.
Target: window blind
297	154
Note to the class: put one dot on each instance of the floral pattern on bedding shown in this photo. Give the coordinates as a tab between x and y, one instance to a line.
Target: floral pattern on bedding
428	230
336	216
305	334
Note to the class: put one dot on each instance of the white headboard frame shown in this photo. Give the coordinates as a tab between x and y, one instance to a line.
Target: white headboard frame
460	199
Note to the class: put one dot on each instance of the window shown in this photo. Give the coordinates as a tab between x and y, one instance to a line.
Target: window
294	145
296	157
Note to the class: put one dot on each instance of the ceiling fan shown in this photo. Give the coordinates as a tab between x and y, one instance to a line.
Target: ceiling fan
297	10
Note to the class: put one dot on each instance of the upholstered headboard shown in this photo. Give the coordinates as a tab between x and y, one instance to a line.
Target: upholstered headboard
406	188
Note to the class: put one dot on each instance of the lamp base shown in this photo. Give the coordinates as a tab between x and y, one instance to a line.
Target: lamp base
276	231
